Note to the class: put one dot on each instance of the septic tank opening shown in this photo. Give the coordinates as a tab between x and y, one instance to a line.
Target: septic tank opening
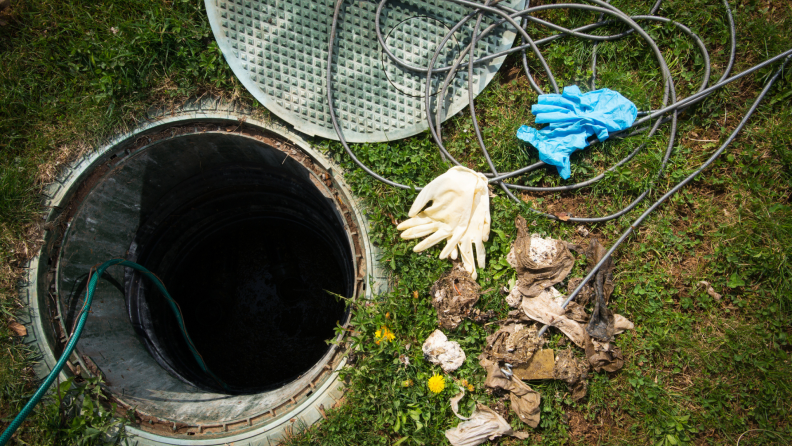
206	200
254	258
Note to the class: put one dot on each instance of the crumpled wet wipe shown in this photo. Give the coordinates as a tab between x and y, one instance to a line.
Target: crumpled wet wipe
576	312
621	324
585	295
538	268
600	325
453	296
573	372
603	356
546	308
437	349
484	424
515	342
524	400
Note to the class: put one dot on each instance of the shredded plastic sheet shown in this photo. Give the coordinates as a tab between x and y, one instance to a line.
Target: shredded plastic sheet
573	118
437	349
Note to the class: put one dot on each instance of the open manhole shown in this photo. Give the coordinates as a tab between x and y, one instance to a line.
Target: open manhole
254	234
253	255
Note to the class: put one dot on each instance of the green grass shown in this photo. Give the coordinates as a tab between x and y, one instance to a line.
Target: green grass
698	370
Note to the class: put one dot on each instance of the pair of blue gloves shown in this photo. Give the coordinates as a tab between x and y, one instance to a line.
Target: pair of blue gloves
574	117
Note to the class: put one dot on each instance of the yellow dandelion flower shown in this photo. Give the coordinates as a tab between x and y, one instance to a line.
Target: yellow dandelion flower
436	384
384	334
470	387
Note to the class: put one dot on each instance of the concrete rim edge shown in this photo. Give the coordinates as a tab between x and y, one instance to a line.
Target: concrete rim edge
58	193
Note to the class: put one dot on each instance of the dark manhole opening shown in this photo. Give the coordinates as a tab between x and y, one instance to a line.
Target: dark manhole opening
252	256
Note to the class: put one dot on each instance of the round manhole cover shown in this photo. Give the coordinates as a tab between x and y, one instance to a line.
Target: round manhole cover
424	35
278	50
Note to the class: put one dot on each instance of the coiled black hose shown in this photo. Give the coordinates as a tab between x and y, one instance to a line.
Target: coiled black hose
650	119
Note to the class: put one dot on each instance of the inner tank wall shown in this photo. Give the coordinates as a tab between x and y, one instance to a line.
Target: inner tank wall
104	227
252	293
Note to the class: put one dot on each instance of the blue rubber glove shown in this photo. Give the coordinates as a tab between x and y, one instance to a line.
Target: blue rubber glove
573	118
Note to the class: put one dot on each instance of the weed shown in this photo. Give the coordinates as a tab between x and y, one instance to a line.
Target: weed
78	415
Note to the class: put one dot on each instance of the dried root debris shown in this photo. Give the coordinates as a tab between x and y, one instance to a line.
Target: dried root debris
481	317
710	290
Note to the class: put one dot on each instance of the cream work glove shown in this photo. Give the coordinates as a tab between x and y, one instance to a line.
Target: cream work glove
459	197
477	231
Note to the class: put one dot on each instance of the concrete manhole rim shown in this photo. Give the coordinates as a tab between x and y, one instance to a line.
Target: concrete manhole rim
34	289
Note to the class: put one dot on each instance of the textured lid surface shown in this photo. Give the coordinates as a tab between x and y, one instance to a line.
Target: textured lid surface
278	50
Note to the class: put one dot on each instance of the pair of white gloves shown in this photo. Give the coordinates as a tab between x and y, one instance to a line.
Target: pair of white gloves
459	214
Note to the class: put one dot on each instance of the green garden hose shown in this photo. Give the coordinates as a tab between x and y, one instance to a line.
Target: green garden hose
93	277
